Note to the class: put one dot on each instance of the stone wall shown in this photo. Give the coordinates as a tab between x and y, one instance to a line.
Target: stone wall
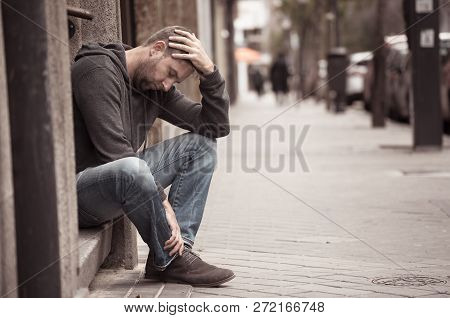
106	27
8	273
60	99
37	58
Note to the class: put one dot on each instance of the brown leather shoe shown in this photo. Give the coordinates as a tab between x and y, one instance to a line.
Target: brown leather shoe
190	269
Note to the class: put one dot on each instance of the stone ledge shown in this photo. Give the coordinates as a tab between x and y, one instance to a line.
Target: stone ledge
94	246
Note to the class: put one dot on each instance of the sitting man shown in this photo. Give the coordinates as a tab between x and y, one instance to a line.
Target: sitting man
118	93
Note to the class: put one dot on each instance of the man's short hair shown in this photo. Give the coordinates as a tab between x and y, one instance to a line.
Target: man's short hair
163	35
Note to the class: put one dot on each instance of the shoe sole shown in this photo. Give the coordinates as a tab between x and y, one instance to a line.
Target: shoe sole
215	284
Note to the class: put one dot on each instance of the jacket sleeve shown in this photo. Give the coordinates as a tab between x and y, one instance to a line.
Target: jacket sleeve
97	95
208	118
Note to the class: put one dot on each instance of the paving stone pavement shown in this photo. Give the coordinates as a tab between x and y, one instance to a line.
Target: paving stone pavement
359	206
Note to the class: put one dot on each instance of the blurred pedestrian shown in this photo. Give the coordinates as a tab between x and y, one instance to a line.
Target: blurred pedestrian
279	75
257	80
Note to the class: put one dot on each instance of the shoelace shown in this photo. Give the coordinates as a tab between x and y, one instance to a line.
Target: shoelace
191	256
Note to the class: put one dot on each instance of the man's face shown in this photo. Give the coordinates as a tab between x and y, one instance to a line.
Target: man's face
160	72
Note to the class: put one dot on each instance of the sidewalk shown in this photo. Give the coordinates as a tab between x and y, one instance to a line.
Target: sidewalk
369	215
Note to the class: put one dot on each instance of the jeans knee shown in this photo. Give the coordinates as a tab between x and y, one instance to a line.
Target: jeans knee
202	144
135	172
207	148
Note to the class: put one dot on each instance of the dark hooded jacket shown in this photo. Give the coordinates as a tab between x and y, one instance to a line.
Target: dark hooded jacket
112	118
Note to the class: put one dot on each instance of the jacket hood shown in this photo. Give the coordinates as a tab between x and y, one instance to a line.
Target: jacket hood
115	51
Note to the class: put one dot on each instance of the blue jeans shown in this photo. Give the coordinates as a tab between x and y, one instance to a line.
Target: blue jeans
127	186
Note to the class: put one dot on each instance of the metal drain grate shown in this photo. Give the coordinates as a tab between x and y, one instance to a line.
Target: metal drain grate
410	280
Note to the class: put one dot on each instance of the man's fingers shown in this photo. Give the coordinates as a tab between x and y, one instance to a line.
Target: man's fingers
171	239
181	39
183	56
171	248
180	245
174	250
186	34
181	47
177	247
182	248
171	244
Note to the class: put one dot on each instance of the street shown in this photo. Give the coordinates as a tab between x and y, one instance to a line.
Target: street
353	213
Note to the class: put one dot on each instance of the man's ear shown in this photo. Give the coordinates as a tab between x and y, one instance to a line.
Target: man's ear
158	48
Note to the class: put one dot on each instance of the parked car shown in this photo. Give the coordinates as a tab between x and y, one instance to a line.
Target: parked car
445	78
399	80
355	75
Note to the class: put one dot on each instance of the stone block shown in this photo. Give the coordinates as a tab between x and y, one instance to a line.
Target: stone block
94	247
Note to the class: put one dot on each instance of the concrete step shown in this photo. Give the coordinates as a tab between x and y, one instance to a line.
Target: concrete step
94	246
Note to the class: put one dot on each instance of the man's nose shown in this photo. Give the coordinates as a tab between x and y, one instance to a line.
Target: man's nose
167	84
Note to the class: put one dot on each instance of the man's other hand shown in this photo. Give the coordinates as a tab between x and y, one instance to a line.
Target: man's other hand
175	243
195	52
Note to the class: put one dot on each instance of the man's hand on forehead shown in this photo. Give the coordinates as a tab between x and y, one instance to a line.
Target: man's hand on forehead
195	52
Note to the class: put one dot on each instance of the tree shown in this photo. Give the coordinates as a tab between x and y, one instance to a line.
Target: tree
378	106
307	17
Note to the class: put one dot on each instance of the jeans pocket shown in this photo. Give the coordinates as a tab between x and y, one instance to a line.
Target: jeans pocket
87	220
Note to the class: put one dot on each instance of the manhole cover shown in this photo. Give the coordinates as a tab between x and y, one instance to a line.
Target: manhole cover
409	281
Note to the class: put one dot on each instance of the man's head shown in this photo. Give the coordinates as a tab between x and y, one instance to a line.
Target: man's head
157	69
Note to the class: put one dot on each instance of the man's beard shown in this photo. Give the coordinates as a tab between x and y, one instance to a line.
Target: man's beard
140	78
